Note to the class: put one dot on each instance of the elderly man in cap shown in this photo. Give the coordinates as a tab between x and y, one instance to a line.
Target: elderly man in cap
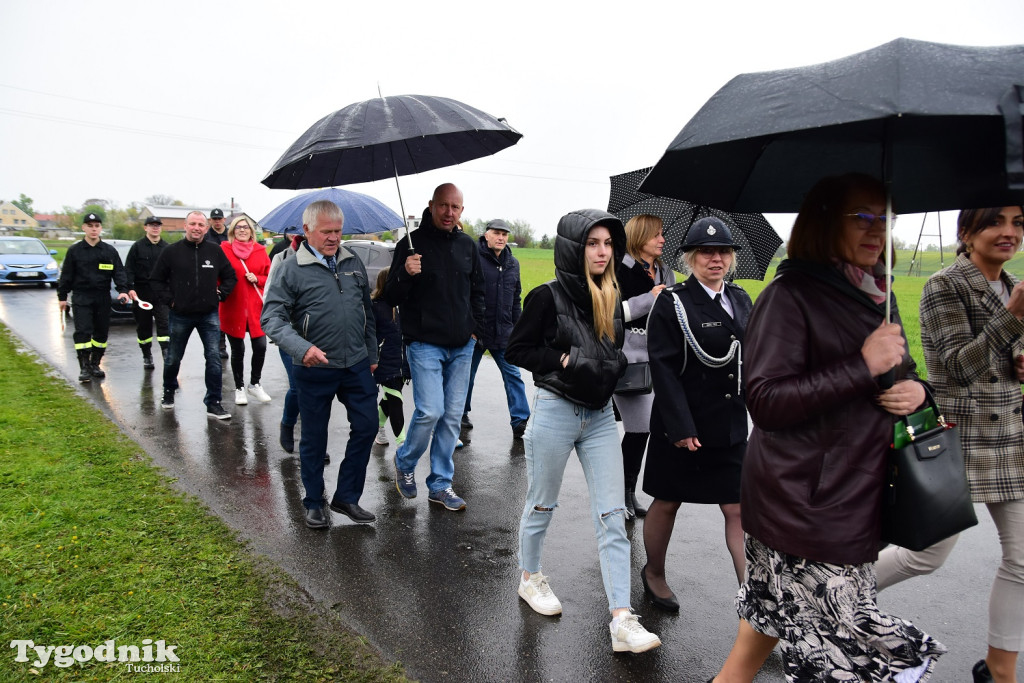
318	311
503	305
139	265
88	268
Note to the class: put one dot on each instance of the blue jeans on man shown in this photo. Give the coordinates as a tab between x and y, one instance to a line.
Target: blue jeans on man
515	390
208	327
290	414
355	389
440	380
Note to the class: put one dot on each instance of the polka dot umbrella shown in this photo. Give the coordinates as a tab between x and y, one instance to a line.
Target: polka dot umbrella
751	231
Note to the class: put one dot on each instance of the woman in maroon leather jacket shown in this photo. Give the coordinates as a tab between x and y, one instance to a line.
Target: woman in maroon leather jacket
816	348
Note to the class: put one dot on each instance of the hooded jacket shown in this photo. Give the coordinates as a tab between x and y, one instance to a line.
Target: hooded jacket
502	291
192	277
444	304
558	318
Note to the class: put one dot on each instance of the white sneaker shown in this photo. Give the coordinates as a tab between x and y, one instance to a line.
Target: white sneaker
240	398
538	595
629	636
257	391
382	437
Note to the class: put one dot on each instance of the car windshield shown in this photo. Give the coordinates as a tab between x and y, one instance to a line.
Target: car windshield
34	247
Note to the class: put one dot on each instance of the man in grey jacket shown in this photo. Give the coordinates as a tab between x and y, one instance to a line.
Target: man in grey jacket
317	310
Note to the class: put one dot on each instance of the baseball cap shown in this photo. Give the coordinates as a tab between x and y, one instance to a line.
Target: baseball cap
92	218
216	213
153	220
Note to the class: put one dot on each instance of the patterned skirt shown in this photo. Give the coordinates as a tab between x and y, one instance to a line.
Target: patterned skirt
828	622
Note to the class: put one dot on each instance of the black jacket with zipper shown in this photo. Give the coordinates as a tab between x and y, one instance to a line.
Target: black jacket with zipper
192	277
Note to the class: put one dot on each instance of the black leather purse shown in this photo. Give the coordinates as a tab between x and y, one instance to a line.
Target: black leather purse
926	498
636	380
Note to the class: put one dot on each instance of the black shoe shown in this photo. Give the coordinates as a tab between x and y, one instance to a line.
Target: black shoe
84	375
981	673
217	410
354	512
288	438
223	353
147	362
96	371
519	430
631	502
316	519
466	424
669	604
168	401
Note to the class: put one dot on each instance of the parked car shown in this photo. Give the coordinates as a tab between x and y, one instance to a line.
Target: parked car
26	260
118	310
375	255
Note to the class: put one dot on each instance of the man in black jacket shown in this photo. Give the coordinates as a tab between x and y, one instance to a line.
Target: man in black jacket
503	307
139	265
192	277
440	290
88	268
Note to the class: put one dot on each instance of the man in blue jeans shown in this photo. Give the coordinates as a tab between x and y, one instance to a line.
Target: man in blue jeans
192	276
440	290
503	308
317	310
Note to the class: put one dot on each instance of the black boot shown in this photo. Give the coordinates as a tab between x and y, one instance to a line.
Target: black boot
147	356
288	438
94	365
84	374
633	504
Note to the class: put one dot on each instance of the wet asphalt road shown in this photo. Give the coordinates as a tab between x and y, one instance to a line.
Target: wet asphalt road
436	589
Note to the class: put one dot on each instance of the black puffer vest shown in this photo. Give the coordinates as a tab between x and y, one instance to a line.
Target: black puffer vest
594	366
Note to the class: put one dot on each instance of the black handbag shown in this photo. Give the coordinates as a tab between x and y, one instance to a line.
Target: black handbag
636	380
926	498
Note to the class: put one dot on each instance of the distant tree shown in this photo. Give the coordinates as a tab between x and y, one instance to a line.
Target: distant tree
162	200
545	242
386	236
25	204
522	233
97	209
102	203
781	251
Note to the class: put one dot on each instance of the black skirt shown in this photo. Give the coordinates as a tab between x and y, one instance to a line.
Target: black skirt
707	475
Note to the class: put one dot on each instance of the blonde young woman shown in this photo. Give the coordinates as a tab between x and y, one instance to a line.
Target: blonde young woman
570	338
641	276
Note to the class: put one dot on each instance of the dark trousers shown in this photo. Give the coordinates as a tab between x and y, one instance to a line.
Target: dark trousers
144	321
91	313
355	389
208	327
259	354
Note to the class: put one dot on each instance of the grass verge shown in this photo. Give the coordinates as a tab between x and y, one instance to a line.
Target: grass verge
96	545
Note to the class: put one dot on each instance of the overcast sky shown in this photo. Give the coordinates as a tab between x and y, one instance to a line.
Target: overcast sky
122	100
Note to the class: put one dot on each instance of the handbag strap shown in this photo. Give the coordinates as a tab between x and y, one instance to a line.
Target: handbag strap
702	355
930	400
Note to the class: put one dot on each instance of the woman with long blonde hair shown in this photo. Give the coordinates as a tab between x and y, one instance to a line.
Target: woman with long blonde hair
570	337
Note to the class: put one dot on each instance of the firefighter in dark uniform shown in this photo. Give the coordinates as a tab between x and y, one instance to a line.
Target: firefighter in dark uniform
138	265
88	268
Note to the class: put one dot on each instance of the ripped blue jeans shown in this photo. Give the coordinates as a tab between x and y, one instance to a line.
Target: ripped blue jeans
555	428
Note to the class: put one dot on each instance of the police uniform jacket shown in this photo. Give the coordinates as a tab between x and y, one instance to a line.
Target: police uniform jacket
87	271
970	340
139	265
692	399
814	469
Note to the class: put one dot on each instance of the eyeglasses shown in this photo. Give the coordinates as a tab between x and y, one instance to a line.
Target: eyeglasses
711	251
242	227
866	220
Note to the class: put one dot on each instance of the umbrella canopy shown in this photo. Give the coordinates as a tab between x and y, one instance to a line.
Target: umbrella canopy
751	231
363	213
388	137
941	125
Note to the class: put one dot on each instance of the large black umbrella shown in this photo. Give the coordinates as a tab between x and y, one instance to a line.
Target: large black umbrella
941	125
755	235
389	136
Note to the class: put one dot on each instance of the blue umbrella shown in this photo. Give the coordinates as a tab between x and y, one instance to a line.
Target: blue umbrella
363	213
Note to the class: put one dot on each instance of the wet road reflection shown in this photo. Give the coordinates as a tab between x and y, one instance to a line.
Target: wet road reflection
435	589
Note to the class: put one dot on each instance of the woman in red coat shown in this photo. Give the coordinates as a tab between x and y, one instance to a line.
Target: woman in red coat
240	312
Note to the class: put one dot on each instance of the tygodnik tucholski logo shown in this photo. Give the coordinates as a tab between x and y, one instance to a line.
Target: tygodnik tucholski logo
152	657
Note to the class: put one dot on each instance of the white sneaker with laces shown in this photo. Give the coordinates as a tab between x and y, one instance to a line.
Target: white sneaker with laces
538	594
629	636
381	438
257	391
240	398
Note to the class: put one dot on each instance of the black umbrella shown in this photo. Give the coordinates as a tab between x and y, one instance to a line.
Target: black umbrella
941	125
755	235
389	137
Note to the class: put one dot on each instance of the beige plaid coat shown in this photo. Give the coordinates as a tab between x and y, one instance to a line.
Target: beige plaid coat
970	340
